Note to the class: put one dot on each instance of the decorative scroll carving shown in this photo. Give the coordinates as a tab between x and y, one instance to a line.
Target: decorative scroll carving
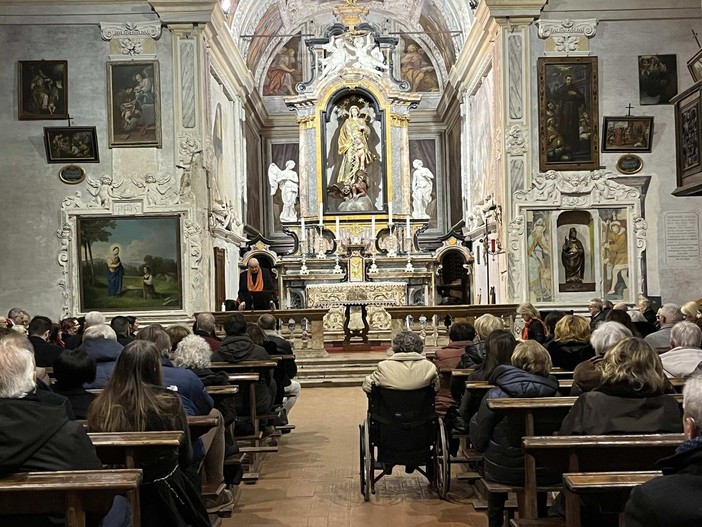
567	35
516	141
110	30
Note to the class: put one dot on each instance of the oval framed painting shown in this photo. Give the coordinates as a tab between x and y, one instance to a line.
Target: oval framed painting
629	164
72	174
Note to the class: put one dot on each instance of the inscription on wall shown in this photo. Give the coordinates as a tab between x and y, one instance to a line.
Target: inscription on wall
682	239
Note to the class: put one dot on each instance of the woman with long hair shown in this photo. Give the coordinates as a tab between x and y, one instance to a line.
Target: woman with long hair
134	401
571	344
534	328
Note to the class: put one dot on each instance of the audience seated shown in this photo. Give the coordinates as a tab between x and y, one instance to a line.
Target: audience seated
37	434
460	335
94	318
668	315
133	326
550	322
647	310
587	374
686	355
534	328
238	347
406	369
673	499
286	369
571	345
621	316
18	320
177	333
643	326
134	400
67	328
121	327
500	440
691	313
205	328
45	353
598	312
75	338
631	397
72	370
100	342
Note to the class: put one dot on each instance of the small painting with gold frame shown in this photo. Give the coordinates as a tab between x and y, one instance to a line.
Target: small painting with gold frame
629	164
72	174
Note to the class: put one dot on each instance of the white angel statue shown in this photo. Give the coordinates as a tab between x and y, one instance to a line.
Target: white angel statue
102	191
421	189
336	57
367	56
287	181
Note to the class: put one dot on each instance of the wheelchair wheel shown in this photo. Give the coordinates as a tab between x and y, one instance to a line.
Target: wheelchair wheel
368	462
362	452
442	462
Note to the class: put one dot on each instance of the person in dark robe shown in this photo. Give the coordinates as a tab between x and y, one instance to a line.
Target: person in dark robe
573	257
115	273
255	287
570	102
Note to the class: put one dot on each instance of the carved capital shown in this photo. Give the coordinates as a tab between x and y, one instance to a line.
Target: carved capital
568	36
110	30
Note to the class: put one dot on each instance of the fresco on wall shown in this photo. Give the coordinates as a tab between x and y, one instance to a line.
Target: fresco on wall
575	236
285	70
434	24
615	253
658	78
481	131
270	24
416	67
540	257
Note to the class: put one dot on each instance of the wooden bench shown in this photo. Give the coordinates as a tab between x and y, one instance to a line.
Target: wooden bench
72	493
616	485
123	448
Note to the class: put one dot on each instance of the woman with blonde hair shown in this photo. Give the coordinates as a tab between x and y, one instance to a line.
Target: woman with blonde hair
571	344
691	312
534	328
631	397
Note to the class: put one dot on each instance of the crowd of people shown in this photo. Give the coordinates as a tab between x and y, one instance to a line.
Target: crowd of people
151	379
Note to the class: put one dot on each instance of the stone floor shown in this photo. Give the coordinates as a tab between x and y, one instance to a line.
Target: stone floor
313	480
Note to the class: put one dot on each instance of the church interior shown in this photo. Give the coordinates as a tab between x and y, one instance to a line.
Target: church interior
381	165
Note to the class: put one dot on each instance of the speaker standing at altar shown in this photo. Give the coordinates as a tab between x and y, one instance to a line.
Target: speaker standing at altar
255	287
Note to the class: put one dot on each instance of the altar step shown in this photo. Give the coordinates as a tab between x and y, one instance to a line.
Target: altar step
336	371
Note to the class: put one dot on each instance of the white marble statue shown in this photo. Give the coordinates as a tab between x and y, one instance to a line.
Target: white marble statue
422	183
287	181
365	55
336	57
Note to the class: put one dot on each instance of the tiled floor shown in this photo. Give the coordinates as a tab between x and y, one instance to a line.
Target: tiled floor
313	480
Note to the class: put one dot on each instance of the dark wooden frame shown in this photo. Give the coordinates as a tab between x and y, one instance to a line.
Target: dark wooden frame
630	120
696	59
689	165
51	133
25	76
581	68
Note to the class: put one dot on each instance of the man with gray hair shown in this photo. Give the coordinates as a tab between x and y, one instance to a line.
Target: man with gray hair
205	328
100	342
18	320
94	318
406	369
598	312
668	315
286	368
37	434
587	375
686	355
673	499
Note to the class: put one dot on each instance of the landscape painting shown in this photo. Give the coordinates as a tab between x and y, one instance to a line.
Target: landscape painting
129	264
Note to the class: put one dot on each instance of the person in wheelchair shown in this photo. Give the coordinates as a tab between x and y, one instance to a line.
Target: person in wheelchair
406	369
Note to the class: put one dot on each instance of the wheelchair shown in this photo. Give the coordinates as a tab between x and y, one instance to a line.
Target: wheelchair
402	428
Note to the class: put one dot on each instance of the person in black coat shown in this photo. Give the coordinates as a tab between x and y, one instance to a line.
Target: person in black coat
674	498
256	288
286	370
534	328
499	438
39	331
73	369
571	345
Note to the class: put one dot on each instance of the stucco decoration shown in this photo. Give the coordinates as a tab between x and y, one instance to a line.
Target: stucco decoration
516	142
110	30
130	196
567	37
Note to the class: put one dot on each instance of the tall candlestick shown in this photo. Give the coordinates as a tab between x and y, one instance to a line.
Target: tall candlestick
373	227
390	213
408	231
338	237
304	232
321	215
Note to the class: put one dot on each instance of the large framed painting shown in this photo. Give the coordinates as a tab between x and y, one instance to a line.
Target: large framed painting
658	78
134	104
71	144
688	137
568	113
43	89
627	134
129	264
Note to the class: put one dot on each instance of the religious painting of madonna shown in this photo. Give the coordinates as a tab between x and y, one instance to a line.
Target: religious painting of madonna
568	113
354	156
129	264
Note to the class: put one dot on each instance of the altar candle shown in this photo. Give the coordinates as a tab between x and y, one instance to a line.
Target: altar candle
302	227
408	229
321	215
373	227
337	227
492	245
390	213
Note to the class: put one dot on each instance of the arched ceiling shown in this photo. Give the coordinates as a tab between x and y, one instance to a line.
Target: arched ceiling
441	25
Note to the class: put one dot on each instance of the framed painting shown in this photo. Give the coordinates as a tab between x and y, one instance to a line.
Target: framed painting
695	66
568	113
627	134
688	137
134	104
72	174
70	144
658	78
129	263
629	164
43	89
285	70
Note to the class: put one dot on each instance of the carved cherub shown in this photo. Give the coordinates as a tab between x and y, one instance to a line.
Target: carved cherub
154	189
102	191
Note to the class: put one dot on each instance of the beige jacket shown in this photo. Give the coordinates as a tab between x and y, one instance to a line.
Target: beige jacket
403	371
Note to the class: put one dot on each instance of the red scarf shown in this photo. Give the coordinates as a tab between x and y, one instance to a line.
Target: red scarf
250	285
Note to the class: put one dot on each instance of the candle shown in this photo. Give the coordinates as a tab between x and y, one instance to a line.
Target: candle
492	245
302	227
390	213
321	215
337	228
408	228
373	227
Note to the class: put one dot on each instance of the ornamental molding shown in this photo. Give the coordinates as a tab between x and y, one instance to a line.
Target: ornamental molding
567	35
110	30
516	141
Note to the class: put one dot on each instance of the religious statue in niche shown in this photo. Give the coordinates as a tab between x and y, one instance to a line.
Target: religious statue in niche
287	181
354	177
422	184
573	257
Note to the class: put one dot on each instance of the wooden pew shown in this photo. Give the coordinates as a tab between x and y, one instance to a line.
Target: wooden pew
72	493
123	448
617	486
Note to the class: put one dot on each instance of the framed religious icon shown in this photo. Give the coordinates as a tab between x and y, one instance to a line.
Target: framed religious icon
72	174
129	263
688	137
627	134
71	144
568	113
695	66
629	164
133	104
43	89
658	78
